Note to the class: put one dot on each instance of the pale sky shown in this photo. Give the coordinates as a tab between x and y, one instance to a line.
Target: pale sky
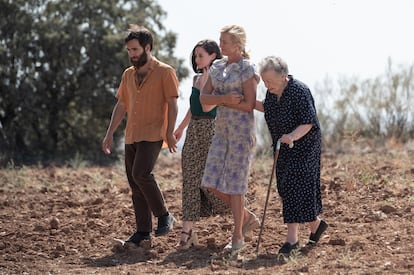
317	38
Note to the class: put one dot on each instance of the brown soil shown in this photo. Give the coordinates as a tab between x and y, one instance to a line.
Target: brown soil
64	220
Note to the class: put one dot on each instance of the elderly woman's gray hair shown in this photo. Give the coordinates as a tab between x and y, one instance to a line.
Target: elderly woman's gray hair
273	63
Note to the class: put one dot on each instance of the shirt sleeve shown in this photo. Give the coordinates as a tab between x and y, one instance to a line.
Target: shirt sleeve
121	94
170	83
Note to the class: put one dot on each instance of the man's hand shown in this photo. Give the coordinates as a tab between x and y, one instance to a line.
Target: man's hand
172	143
106	144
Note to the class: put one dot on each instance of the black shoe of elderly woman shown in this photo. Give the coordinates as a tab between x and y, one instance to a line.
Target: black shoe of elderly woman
314	237
287	248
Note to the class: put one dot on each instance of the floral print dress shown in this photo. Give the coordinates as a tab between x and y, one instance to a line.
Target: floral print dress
233	144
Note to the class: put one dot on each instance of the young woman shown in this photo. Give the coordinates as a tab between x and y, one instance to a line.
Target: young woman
197	202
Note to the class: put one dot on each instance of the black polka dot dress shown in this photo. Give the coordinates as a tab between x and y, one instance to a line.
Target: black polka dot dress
298	168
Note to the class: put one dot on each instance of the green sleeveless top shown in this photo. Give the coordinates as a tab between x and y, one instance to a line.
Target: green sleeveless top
195	105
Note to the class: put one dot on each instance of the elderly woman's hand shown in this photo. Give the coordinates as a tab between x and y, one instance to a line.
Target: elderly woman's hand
287	139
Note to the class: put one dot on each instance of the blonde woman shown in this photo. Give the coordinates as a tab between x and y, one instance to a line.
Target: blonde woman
231	86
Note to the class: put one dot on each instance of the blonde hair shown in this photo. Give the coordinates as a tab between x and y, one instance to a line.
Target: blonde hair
238	36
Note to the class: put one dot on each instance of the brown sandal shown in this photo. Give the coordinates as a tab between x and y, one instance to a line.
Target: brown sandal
192	240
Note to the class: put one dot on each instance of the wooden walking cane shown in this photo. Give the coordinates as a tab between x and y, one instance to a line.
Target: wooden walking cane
276	155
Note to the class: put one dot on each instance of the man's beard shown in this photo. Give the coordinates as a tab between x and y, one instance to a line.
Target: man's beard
142	60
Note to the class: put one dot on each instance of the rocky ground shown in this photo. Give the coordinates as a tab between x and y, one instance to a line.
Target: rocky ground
64	221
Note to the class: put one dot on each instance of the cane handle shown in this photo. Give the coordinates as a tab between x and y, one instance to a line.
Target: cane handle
278	144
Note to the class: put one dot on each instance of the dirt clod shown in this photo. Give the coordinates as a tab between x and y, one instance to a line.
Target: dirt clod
367	199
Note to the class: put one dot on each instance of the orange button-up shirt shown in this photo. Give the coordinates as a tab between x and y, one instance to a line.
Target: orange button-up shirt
146	105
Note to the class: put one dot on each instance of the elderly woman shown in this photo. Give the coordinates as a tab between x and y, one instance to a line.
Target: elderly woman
291	117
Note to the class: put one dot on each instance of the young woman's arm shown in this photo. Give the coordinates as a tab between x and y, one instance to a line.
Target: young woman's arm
184	123
209	100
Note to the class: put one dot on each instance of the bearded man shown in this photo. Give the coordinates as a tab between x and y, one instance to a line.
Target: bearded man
148	92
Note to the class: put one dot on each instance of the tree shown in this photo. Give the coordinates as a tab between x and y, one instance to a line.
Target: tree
60	64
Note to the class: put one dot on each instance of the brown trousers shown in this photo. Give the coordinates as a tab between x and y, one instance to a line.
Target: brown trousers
147	199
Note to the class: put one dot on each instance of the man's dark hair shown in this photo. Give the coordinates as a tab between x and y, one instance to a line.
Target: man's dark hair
143	35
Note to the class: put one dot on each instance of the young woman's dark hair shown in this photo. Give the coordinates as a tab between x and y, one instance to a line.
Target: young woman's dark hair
211	47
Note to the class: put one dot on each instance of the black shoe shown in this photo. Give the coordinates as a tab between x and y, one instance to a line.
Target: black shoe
165	224
138	237
287	248
314	238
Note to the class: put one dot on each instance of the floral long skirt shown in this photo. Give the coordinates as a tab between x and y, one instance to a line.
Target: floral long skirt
197	202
